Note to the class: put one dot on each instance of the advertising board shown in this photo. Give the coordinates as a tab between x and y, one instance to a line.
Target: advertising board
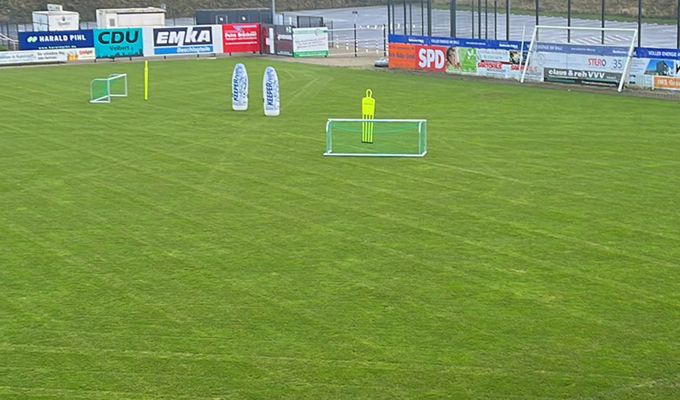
56	40
114	43
310	42
241	38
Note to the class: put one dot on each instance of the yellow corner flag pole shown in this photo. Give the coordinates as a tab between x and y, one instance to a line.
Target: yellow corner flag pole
146	80
367	112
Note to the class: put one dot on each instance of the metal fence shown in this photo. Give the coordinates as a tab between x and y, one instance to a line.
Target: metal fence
658	21
358	40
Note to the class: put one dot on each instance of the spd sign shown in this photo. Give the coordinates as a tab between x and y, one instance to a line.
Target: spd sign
431	58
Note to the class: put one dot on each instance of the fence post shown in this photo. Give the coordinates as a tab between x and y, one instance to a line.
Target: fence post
486	19
410	17
538	8
472	12
568	21
429	18
603	24
479	18
356	45
422	17
384	42
495	19
453	16
389	15
639	23
405	31
507	19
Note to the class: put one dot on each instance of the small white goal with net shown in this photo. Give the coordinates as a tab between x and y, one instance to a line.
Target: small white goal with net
102	90
376	138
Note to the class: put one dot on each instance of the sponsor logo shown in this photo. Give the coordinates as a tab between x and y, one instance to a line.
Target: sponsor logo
597	62
55	40
431	58
187	36
269	89
584	76
119	37
271	92
240	87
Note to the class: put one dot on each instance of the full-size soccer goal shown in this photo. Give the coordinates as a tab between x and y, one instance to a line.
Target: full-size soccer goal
102	90
376	138
582	55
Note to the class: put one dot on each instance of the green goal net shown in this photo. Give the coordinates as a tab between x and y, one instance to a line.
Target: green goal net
376	137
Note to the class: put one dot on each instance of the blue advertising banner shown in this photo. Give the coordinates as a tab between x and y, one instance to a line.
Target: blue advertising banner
113	43
510	45
583	49
668	54
449	42
56	40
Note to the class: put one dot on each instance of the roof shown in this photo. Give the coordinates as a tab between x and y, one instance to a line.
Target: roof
139	10
56	12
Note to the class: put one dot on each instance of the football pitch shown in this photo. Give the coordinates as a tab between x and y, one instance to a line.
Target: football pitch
175	249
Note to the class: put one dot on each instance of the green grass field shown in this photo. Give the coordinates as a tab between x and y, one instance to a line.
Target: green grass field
177	250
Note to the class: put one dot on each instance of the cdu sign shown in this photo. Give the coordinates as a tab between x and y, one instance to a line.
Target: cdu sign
113	43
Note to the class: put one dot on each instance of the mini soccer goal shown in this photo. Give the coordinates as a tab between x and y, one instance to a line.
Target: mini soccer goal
582	55
102	90
376	138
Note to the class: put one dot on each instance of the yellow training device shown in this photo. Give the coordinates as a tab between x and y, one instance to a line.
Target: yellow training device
146	80
367	112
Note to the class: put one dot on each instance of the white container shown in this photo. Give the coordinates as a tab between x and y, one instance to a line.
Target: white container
130	17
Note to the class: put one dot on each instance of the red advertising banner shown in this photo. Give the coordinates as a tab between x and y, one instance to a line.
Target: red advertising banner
431	58
241	38
422	58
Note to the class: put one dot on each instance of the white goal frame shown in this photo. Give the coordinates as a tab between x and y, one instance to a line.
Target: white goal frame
631	47
422	138
106	99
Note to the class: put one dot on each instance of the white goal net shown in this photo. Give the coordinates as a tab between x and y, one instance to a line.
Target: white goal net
102	90
376	138
581	55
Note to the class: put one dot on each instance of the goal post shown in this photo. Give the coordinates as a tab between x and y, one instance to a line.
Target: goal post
102	90
575	54
390	138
